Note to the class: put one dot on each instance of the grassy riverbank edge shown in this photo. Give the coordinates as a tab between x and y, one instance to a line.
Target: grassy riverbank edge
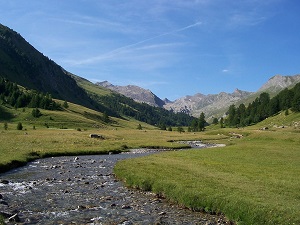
20	147
252	181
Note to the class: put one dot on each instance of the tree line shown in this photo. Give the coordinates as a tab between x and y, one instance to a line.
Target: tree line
11	94
263	107
123	106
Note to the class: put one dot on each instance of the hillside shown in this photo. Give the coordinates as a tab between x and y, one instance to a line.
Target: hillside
73	117
21	63
124	106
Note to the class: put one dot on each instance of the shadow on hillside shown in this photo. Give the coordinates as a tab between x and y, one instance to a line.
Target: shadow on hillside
4	114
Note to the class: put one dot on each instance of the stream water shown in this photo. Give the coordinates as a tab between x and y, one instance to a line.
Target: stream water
83	190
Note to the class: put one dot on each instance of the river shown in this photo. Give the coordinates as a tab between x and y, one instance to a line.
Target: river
84	190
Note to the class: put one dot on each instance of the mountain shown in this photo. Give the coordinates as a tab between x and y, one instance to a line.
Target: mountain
209	104
21	63
213	105
278	83
136	93
217	104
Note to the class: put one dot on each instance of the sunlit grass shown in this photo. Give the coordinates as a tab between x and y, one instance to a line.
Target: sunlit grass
254	180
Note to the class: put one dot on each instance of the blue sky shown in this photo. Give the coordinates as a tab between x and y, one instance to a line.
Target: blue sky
172	47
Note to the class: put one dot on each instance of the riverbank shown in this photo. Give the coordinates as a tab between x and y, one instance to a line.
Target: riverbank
84	190
19	147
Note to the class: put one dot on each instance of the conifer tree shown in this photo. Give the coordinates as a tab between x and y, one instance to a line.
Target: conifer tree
202	122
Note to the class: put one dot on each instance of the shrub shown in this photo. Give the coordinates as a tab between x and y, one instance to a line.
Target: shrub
139	127
19	126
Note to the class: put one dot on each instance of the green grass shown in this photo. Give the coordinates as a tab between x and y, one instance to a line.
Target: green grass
254	180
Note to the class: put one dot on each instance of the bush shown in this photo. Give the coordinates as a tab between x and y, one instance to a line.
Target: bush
139	127
19	126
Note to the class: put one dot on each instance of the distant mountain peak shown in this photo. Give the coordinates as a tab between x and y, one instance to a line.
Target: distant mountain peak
105	84
135	92
279	82
209	104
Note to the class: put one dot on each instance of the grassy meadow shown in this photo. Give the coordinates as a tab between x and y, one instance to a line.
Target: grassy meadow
253	180
67	132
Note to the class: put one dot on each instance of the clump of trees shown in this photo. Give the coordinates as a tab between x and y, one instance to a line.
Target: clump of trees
263	107
119	105
198	124
11	94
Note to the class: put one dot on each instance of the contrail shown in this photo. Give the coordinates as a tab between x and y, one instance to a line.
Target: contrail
115	51
157	36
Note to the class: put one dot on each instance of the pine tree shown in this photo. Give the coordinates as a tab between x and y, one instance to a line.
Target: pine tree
65	105
36	113
202	122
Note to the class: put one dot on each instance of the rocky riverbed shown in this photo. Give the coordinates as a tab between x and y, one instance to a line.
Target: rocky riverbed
84	190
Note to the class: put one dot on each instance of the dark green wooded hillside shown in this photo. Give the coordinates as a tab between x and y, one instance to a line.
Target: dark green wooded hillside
21	63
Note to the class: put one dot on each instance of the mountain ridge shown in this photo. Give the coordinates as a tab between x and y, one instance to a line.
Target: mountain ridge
135	92
211	104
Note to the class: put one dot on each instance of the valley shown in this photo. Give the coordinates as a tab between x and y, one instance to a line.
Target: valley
46	111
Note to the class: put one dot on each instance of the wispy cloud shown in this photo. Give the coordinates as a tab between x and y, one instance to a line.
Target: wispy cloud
122	49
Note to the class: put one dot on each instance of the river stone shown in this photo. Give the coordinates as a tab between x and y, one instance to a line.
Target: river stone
14	218
4	181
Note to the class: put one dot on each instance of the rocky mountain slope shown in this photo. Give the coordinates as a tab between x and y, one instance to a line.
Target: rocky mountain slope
278	83
211	104
136	93
217	104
